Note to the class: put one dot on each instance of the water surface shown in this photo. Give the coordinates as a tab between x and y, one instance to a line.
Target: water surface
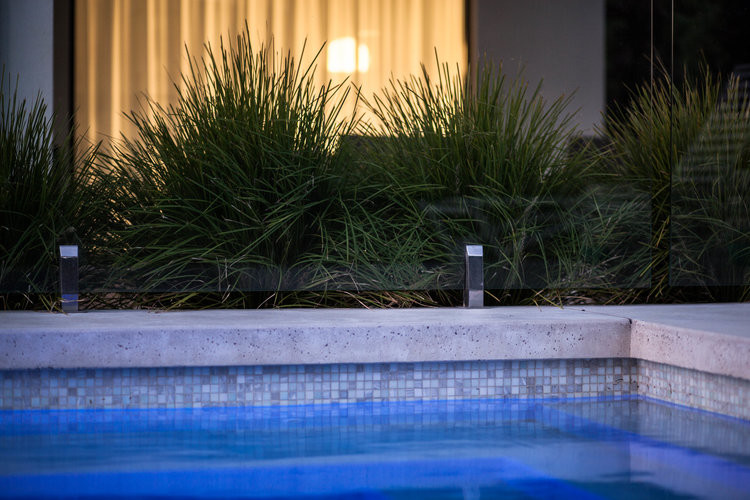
625	448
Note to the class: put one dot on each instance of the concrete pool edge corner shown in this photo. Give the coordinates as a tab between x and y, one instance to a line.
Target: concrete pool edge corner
712	338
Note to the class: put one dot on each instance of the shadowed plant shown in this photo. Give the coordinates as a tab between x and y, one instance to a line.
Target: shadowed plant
48	197
685	147
239	183
492	162
710	239
647	137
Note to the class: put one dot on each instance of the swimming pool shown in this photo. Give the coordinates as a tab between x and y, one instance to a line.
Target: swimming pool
629	447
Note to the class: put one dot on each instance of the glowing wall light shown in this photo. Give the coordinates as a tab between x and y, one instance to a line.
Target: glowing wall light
344	56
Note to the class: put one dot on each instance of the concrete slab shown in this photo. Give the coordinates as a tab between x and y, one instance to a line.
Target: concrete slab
304	336
713	338
726	319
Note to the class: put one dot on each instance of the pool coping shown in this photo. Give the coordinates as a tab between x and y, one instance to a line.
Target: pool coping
712	338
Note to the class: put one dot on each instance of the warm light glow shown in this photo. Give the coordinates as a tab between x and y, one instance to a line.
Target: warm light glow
342	57
127	48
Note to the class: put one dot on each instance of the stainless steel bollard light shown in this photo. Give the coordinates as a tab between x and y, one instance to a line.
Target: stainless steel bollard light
69	277
474	284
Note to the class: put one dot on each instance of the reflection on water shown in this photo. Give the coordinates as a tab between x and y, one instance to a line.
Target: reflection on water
622	448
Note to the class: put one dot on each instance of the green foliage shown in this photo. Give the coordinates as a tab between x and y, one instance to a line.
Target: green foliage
236	186
710	240
494	163
657	127
253	190
47	195
448	140
686	148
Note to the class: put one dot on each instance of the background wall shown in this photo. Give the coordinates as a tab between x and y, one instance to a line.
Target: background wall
560	42
26	47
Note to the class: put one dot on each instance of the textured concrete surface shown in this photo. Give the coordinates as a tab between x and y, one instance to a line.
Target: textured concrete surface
713	337
220	338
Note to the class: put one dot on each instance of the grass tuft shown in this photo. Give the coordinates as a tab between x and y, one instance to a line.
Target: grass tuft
48	197
491	162
237	185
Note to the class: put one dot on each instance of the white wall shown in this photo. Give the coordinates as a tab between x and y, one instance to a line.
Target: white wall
560	41
26	47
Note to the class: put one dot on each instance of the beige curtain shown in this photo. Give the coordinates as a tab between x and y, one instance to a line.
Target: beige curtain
128	48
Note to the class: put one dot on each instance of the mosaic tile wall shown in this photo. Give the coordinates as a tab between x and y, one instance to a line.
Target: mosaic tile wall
517	414
307	384
348	383
707	391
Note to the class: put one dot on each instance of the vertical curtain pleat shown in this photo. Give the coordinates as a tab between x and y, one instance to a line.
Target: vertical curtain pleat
128	48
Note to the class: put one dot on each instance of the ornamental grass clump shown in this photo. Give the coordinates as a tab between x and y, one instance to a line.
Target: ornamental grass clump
491	162
48	196
646	138
685	147
239	183
710	237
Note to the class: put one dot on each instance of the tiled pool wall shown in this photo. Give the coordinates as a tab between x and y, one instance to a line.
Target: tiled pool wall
696	389
199	387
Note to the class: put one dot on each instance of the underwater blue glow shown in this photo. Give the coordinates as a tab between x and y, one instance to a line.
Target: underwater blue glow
614	448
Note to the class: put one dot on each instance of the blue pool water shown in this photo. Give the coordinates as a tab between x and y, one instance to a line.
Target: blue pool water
624	448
